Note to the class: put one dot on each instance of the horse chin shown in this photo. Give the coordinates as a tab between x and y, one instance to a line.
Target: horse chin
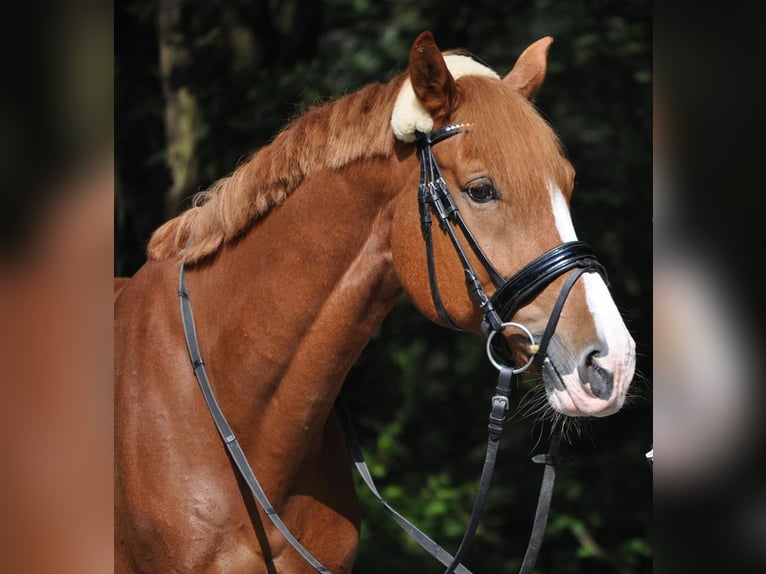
569	395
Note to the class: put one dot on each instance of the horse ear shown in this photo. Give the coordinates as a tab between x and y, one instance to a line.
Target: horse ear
432	82
528	72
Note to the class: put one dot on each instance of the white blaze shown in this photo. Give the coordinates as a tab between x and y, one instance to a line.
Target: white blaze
561	214
607	319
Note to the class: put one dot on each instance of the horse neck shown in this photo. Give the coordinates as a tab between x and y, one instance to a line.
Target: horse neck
285	311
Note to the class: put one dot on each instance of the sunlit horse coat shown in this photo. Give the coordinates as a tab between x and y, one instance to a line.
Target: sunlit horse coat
293	262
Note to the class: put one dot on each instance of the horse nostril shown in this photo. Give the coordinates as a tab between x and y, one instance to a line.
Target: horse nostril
601	380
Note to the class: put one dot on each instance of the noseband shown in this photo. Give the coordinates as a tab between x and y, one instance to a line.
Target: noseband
510	294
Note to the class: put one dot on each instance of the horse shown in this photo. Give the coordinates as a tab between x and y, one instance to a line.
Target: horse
291	263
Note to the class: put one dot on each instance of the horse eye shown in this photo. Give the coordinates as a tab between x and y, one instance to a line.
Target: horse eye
482	192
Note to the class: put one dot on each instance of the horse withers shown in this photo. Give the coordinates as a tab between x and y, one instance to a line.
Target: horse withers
292	262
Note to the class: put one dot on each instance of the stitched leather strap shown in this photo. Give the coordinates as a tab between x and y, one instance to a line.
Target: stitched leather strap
539	273
495	427
225	430
352	441
550	461
496	421
511	294
433	195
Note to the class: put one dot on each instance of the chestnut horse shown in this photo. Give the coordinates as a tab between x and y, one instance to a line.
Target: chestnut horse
292	262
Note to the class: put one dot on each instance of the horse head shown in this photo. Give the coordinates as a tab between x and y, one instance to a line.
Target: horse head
512	186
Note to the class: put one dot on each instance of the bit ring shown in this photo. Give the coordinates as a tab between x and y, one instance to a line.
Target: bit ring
495	362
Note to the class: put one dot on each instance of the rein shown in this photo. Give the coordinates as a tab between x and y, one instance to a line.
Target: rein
510	295
225	430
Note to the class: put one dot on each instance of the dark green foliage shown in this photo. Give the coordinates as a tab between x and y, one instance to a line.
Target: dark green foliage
420	393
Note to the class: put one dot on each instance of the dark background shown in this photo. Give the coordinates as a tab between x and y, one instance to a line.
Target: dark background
233	74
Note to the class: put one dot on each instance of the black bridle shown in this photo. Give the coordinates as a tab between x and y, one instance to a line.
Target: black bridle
509	296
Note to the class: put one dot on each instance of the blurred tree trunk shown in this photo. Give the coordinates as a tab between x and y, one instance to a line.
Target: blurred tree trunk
182	110
272	36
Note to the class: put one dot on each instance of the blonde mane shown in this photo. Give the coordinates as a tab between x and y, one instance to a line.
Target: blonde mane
353	127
